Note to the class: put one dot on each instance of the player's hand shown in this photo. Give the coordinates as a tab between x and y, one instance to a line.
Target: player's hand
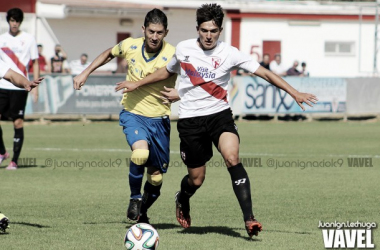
31	85
79	81
305	98
169	95
127	86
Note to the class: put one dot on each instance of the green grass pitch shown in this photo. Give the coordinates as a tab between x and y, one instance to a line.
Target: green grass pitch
65	206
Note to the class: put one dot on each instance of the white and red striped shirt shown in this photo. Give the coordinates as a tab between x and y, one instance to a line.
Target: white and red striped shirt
204	75
17	51
3	68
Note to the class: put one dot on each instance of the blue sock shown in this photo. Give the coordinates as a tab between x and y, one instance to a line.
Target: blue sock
136	174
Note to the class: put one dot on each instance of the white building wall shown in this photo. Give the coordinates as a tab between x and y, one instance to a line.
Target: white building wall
92	35
307	43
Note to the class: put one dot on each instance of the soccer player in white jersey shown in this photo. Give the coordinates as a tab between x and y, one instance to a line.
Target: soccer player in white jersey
17	48
21	82
17	79
205	117
144	118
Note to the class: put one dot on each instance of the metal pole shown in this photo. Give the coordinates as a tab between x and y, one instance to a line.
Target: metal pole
360	40
375	54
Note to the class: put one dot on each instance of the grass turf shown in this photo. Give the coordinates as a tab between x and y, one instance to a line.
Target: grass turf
57	204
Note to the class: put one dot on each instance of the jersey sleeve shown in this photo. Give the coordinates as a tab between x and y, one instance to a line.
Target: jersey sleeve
3	68
244	61
33	50
174	66
120	49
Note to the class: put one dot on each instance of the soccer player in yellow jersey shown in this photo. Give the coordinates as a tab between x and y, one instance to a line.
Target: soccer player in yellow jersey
144	118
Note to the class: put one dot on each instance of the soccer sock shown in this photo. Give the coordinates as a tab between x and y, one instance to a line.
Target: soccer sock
2	146
18	140
187	190
242	189
151	194
136	174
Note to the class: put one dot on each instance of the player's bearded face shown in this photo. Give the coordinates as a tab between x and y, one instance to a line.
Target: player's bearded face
209	34
154	35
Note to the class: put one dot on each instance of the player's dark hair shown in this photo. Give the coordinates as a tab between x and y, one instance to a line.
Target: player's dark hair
156	16
210	12
16	14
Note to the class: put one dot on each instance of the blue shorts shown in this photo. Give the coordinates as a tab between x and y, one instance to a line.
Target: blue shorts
155	131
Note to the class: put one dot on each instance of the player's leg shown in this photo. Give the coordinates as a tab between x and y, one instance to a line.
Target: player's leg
134	129
158	163
139	157
226	138
17	109
189	185
3	153
152	190
4	104
196	150
229	148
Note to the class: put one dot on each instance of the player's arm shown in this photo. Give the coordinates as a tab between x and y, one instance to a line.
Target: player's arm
277	81
100	60
158	75
20	81
36	76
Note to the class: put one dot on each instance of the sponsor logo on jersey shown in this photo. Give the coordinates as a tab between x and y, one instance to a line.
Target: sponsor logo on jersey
133	47
164	58
133	61
201	72
186	59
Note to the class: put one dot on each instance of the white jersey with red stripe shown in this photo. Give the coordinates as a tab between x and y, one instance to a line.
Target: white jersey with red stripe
3	68
204	75
17	51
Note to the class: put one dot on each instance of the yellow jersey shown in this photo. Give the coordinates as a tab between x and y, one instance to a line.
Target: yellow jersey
145	100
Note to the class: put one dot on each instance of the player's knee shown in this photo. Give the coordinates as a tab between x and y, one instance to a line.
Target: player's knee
198	181
155	180
140	156
231	159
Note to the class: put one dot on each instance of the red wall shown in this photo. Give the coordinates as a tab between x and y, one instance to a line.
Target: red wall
27	6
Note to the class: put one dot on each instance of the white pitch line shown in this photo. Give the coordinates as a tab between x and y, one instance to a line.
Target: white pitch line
177	152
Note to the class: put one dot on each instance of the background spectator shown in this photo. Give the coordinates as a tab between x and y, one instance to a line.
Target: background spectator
265	62
41	61
293	71
58	60
304	71
277	67
77	66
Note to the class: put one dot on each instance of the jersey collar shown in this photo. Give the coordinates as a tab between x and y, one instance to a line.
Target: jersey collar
155	55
